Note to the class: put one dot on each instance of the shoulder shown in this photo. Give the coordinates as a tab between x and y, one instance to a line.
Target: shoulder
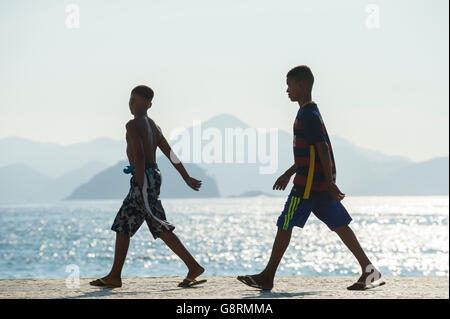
307	115
135	125
153	123
311	119
311	113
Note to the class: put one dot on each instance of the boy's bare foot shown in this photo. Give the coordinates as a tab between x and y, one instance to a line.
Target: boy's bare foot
258	281
190	279
108	282
195	272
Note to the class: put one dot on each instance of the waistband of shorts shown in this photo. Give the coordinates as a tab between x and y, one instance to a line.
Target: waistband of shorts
151	165
147	166
299	191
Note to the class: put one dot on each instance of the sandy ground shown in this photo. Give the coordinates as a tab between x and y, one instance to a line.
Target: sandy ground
227	287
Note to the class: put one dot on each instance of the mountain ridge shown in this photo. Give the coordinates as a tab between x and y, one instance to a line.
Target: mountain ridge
360	171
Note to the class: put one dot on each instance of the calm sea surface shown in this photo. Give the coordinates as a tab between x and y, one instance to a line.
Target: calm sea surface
404	236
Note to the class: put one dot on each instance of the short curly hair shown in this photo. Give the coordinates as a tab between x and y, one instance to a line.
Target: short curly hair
302	73
143	91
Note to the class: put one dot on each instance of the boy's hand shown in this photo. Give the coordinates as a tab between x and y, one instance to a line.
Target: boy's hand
281	182
193	183
336	194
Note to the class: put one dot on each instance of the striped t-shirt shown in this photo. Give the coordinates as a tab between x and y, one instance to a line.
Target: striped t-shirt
309	181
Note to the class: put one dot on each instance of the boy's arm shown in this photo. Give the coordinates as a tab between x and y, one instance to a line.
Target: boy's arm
167	151
130	156
290	171
129	152
315	136
284	179
325	160
133	129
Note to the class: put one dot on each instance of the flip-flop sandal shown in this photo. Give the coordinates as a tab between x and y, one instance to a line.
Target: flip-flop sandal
249	281
188	282
101	283
363	286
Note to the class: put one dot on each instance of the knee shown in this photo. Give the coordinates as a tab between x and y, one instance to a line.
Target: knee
166	235
122	236
340	229
284	232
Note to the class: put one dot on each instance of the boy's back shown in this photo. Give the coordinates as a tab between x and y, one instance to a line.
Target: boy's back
151	136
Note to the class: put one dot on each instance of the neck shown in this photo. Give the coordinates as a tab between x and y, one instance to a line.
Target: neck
142	114
304	99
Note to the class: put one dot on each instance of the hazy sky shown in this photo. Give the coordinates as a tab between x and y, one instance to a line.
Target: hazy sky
383	88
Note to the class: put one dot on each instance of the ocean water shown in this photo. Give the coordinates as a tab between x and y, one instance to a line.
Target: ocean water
403	236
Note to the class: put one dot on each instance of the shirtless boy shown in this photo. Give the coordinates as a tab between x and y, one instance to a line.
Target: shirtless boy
142	202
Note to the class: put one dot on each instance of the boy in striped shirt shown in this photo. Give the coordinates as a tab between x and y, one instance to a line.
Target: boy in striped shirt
314	188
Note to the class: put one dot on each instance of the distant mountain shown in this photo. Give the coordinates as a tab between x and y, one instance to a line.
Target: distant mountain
42	171
237	178
425	178
54	160
62	186
358	168
360	171
21	183
366	172
112	183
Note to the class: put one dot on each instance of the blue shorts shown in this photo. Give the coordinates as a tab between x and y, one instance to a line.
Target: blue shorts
297	210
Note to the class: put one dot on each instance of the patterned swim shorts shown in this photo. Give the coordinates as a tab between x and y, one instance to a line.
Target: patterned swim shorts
146	205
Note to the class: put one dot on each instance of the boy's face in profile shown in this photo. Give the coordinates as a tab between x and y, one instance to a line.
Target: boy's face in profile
296	89
138	104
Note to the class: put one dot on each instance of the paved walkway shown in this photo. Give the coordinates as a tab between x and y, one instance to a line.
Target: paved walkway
228	287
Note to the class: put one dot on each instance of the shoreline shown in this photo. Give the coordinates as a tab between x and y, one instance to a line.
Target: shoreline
294	287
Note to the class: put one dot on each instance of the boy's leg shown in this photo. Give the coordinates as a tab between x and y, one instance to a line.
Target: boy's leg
128	220
337	218
348	237
174	243
122	244
281	243
295	213
114	276
160	227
